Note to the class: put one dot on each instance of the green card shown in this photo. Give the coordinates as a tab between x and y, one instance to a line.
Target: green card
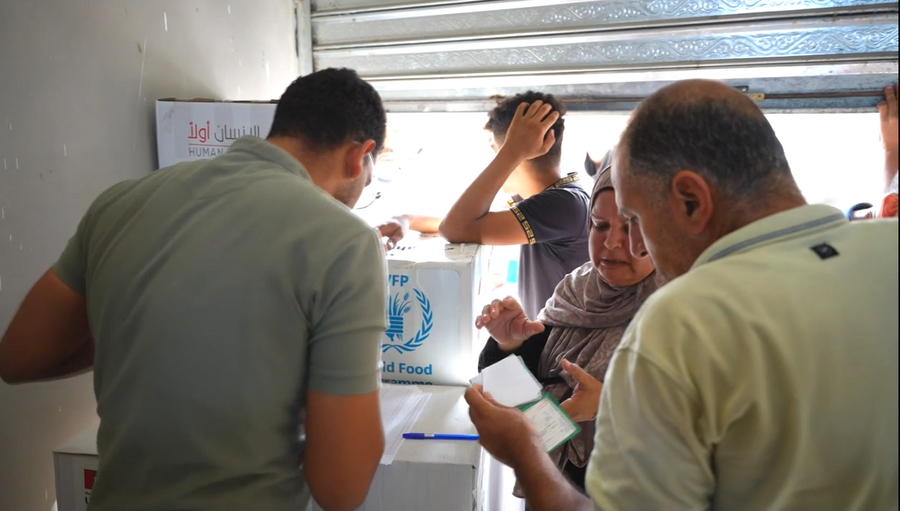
553	424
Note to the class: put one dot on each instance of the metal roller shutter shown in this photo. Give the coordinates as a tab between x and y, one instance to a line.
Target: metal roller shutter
606	55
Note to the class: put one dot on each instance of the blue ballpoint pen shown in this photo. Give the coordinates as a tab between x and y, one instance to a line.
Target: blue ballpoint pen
437	436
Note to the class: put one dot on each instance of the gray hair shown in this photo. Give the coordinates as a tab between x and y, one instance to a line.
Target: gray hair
710	129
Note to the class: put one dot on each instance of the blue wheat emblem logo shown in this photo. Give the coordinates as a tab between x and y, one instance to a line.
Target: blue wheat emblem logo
398	307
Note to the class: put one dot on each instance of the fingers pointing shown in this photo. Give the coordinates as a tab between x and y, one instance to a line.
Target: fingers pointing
579	374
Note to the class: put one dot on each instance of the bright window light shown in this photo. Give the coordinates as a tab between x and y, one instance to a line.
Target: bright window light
836	158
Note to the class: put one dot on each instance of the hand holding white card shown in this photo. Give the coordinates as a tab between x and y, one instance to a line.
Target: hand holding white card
510	383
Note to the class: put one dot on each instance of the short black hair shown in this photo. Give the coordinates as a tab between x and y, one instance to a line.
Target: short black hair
329	108
501	117
722	136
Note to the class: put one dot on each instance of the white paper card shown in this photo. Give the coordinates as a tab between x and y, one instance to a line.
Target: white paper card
551	423
401	406
510	383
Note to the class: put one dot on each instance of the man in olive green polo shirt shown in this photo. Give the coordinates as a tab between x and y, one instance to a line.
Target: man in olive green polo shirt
763	376
224	305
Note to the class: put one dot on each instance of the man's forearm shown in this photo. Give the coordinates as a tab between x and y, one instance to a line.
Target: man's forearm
546	489
423	224
891	161
476	201
80	362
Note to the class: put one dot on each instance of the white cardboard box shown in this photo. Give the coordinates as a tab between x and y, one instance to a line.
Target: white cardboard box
75	463
435	291
188	130
433	475
426	475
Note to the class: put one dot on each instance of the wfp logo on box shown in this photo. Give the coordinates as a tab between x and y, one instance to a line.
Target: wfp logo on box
399	305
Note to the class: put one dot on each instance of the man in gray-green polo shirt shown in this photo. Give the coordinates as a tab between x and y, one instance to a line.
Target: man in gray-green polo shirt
763	376
224	305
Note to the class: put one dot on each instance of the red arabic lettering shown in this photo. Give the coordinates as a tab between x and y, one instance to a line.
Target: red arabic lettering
198	132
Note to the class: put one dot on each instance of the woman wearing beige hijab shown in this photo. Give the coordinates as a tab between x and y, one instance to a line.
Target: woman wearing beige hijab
569	347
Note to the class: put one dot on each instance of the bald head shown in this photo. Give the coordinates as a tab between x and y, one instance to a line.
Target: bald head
711	129
700	91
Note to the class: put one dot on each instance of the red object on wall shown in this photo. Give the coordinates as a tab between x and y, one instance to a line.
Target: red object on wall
89	477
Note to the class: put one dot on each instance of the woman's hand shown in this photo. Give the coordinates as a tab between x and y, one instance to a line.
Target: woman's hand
506	322
585	401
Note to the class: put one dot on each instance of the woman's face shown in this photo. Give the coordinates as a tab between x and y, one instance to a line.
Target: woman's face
610	251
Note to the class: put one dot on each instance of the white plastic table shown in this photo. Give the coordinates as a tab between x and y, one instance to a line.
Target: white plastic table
429	474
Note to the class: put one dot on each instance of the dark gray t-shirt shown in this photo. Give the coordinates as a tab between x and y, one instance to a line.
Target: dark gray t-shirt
556	222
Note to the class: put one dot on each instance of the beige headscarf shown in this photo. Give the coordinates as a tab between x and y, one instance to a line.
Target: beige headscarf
588	316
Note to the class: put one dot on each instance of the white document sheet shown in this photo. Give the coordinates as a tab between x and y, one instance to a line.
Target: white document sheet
510	383
401	406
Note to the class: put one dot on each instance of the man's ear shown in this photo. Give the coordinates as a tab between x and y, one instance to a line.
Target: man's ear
496	142
694	201
355	158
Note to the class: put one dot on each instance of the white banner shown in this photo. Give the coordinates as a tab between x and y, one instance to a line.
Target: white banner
188	131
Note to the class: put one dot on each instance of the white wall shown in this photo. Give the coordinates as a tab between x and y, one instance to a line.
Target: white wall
78	82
